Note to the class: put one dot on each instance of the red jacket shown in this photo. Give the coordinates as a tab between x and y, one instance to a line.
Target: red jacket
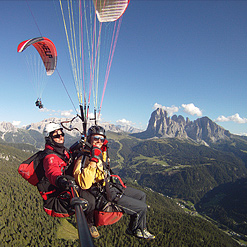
54	165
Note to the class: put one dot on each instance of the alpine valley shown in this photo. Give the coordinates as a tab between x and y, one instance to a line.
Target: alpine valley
194	174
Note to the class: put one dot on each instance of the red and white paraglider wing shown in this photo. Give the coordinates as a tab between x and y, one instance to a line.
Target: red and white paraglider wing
110	10
46	50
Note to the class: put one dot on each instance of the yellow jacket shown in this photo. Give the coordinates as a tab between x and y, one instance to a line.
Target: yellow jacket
87	175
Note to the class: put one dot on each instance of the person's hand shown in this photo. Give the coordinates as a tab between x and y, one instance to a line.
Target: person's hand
96	154
64	182
104	146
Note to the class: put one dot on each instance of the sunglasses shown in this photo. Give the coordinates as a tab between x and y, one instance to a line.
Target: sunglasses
97	138
58	135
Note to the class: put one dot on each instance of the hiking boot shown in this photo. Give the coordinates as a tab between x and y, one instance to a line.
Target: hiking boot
94	232
140	234
147	234
137	233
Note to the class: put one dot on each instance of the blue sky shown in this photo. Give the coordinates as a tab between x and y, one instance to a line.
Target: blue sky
189	57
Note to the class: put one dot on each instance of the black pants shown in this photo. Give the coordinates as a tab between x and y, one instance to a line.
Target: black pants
133	202
89	212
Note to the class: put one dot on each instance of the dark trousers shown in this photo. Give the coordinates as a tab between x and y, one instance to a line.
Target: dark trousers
89	212
133	203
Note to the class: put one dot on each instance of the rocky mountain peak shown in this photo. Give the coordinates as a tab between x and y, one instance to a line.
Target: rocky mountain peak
205	129
7	127
160	125
201	130
179	119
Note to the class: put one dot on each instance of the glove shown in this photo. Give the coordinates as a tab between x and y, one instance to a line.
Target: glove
63	182
104	146
96	154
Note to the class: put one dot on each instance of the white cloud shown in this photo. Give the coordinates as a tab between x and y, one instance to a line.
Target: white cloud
58	113
192	109
242	134
234	118
91	116
67	113
16	123
188	108
124	122
222	119
170	110
49	111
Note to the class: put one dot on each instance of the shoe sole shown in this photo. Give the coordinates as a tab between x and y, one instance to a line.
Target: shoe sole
95	237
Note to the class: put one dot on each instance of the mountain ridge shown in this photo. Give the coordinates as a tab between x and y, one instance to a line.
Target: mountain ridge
39	126
202	130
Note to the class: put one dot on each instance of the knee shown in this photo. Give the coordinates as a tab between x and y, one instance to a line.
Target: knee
91	204
145	207
143	196
142	207
90	199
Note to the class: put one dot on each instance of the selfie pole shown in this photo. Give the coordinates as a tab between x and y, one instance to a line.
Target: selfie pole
80	205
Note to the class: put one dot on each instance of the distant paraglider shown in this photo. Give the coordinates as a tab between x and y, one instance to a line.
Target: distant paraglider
46	50
39	104
47	65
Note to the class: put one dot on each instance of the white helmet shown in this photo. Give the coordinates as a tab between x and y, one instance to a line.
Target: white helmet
50	127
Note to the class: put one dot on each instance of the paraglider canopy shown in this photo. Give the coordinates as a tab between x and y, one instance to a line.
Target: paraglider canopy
46	50
110	10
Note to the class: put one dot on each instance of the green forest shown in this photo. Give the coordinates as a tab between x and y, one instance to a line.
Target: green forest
24	223
227	204
184	169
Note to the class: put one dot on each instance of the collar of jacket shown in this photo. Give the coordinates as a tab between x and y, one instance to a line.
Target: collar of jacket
62	153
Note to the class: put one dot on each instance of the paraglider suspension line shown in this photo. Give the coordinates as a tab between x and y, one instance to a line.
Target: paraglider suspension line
34	18
66	89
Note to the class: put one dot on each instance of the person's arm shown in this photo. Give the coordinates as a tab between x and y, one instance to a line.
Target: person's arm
85	177
52	167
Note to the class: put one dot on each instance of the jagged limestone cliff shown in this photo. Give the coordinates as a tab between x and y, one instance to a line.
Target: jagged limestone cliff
201	130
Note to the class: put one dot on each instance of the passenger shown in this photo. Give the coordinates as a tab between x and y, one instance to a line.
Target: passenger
54	187
39	104
91	178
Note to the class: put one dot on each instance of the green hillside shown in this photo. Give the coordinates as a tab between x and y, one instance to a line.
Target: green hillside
227	204
24	223
178	168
